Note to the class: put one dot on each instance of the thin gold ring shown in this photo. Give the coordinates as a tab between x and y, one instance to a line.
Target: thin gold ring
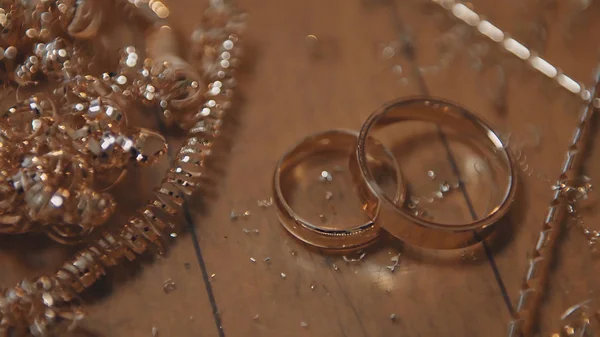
323	237
395	217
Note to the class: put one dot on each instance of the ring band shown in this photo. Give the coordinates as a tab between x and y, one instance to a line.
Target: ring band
340	141
395	217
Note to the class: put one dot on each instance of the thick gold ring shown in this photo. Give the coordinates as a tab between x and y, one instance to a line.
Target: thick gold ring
396	218
327	142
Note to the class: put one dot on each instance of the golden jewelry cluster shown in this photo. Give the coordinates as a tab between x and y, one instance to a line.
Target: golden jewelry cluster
63	148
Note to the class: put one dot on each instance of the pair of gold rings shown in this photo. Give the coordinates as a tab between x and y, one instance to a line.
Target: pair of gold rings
388	211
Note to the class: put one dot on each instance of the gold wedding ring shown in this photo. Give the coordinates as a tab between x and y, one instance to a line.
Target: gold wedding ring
326	143
396	218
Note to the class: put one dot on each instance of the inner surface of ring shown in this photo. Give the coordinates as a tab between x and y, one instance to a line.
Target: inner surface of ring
317	184
455	169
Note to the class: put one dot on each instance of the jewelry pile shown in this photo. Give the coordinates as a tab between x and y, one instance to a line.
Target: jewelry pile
63	148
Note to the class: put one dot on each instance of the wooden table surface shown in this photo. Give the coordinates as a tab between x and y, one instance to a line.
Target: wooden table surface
294	85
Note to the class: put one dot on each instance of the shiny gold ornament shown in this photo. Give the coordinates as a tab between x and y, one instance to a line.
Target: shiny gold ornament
55	146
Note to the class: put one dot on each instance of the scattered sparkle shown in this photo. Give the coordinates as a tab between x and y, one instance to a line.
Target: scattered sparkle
355	259
169	286
313	46
445	187
325	176
397	69
431	174
395	262
328	195
465	255
253	260
265	203
234	216
388	52
303	324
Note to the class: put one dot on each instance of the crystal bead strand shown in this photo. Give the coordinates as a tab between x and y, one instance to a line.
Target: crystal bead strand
535	281
514	47
536	274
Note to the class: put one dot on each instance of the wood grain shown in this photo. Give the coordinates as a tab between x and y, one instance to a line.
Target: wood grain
292	87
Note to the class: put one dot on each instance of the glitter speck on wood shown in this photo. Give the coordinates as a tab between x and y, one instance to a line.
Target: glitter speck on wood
253	260
267	259
169	286
154	331
234	216
464	255
256	317
356	259
213	275
393	317
328	195
312	44
265	203
283	276
251	231
396	262
325	176
431	174
303	324
388	52
335	267
445	187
